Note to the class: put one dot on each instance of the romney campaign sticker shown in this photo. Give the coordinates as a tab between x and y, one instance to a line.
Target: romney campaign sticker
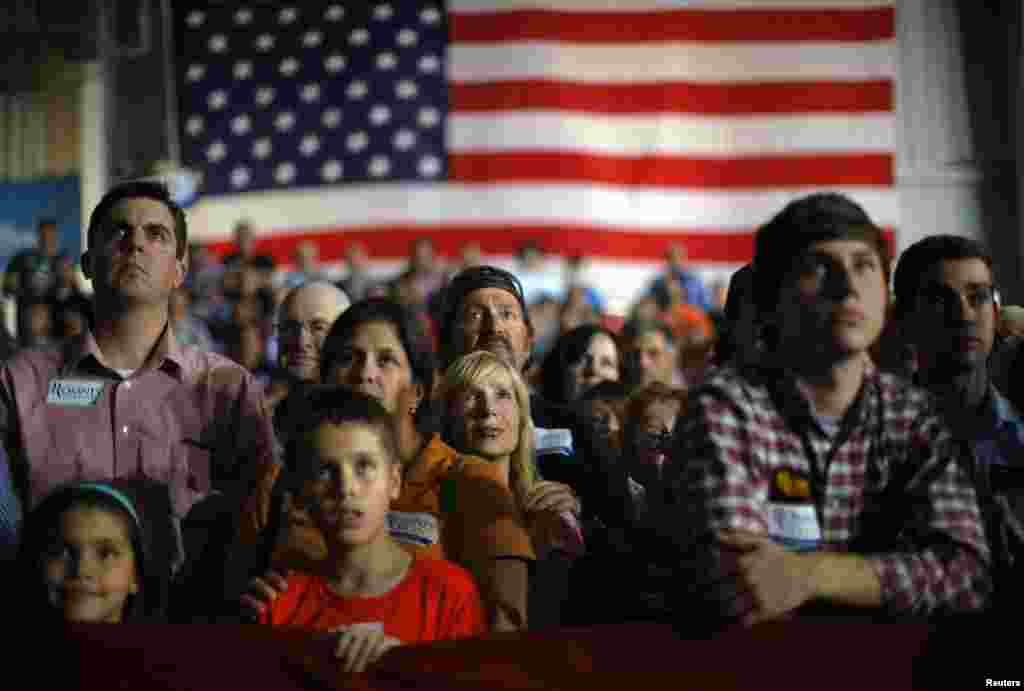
794	525
74	392
552	441
414	528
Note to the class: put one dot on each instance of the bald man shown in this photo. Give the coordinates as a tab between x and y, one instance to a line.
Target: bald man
307	314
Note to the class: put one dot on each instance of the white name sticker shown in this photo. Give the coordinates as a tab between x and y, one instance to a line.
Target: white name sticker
794	526
74	392
414	528
553	441
367	627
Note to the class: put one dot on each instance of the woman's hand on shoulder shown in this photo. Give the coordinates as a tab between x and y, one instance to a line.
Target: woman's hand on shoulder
551	496
559	532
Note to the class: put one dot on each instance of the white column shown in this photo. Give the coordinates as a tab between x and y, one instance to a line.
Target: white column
94	106
937	171
1018	147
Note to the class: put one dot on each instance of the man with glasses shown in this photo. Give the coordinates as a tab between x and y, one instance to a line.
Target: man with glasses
304	320
306	316
948	309
945	301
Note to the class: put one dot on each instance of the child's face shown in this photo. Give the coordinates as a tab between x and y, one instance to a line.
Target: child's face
652	432
355	483
90	567
834	299
603	415
486	417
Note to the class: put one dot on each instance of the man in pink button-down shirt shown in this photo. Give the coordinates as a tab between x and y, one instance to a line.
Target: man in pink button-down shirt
125	400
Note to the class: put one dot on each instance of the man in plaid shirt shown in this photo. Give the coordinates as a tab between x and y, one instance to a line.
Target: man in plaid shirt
812	477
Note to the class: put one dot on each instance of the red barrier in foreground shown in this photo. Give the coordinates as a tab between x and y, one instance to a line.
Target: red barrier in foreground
631	657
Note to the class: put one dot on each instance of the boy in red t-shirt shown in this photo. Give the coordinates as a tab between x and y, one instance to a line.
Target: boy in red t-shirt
370	591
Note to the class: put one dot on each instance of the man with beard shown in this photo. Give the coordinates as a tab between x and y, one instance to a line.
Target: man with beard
484	308
947	304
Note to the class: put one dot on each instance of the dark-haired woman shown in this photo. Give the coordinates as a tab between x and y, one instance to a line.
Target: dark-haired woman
580	359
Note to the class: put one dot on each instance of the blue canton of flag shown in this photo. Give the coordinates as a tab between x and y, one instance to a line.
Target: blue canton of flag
312	93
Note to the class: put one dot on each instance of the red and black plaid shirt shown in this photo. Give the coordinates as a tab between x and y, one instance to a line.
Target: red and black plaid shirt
741	429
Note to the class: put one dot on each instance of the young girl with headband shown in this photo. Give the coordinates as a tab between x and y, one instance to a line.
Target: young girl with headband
83	556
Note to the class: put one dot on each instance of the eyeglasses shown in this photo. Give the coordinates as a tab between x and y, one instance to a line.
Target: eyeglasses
941	298
291	328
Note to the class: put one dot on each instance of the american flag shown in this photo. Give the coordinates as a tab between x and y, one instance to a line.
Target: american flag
608	128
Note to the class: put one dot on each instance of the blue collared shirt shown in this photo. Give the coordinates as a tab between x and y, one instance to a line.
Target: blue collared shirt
696	292
1004	443
10	511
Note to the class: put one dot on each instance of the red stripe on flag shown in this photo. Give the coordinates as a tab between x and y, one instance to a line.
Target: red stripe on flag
869	24
676	171
727	246
701	99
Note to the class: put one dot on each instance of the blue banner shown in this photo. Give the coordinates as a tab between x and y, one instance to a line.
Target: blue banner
23	204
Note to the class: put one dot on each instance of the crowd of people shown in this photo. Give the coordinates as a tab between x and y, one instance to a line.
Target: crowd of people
455	451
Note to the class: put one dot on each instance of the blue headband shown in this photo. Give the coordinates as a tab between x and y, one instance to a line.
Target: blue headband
114	494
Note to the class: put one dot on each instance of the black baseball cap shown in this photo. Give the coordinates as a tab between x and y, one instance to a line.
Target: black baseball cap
464	283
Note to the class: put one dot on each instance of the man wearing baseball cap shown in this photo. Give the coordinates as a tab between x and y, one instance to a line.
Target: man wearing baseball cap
484	308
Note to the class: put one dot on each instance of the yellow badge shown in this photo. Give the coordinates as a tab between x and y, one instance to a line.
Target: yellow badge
790	484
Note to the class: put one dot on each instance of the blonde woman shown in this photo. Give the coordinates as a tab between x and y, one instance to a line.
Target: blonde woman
487	415
487	410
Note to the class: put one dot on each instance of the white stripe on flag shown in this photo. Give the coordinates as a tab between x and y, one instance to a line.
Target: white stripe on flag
655	210
643	5
663	61
671	134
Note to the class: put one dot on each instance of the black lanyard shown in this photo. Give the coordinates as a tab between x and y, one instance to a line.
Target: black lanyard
796	409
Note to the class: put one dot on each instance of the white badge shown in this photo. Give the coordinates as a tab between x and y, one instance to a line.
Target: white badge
74	392
794	525
366	626
414	528
553	441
